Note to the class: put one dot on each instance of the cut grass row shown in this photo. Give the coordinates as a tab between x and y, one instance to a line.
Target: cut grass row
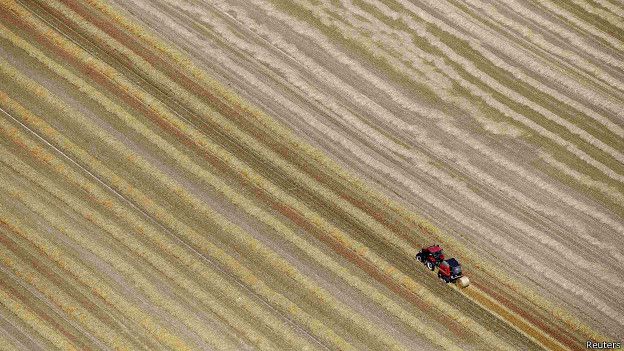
227	294
152	137
386	302
119	264
114	319
219	122
536	99
491	98
76	268
250	244
556	51
390	212
330	134
42	308
87	277
130	240
193	287
164	243
263	56
259	286
62	299
7	344
303	208
189	297
352	120
34	321
19	332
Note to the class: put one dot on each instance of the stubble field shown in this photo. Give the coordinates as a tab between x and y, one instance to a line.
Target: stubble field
260	174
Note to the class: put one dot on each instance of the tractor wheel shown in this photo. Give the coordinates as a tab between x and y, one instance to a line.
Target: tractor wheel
430	265
418	258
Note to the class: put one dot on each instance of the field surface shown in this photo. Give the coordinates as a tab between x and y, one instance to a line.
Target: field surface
259	175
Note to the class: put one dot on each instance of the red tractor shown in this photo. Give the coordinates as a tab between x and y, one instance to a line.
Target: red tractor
431	256
450	270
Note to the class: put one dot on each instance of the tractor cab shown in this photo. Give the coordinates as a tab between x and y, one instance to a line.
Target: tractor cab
431	256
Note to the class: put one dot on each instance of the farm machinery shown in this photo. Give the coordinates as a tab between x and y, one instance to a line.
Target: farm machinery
449	271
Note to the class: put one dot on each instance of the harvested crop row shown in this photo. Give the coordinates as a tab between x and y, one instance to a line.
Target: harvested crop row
609	191
397	65
194	289
569	35
263	59
533	332
337	236
119	264
25	314
253	245
526	57
310	33
74	333
54	318
542	62
582	25
233	267
543	107
78	270
599	13
223	125
62	299
115	320
257	51
561	53
69	263
215	281
423	166
7	344
262	215
193	292
82	207
312	160
314	291
17	330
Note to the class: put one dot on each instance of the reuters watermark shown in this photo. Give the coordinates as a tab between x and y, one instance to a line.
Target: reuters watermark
603	345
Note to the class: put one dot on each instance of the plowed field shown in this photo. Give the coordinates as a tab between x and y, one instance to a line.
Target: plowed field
259	175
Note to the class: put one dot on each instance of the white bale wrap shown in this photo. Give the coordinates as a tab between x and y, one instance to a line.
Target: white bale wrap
463	282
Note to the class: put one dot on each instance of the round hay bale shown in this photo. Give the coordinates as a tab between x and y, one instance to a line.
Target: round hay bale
463	282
